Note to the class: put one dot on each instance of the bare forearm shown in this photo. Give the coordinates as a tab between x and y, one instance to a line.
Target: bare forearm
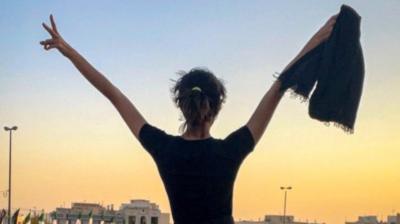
312	43
265	110
98	80
319	37
127	110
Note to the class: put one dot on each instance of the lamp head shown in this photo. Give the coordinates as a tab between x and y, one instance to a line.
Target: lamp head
14	128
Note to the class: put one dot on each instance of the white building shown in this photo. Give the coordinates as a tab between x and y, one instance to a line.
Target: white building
134	212
275	219
81	212
372	219
143	212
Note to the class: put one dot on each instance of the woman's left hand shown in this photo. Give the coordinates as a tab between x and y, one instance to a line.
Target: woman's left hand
320	36
324	32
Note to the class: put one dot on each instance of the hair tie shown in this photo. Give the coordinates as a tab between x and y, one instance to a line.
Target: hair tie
196	88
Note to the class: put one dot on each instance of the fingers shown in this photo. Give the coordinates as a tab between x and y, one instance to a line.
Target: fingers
332	20
51	32
54	42
49	46
53	24
48	41
326	30
334	16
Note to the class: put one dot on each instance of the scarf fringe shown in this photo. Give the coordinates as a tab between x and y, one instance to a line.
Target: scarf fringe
296	95
305	99
345	128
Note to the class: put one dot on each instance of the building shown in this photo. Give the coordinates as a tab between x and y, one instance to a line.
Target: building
279	219
143	212
134	212
249	222
393	219
372	219
84	211
275	219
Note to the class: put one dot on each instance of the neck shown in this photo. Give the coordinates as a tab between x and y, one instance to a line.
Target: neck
199	132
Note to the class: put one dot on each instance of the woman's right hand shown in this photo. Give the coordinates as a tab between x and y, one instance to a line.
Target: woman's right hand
56	40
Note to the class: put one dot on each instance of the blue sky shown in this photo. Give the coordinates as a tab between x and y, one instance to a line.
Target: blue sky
134	42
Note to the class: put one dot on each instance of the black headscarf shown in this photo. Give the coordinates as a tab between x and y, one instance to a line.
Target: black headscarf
337	66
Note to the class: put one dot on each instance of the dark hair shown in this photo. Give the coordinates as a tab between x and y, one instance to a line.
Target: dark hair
198	106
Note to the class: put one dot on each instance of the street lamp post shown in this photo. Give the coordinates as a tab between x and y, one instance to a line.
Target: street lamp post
284	202
14	128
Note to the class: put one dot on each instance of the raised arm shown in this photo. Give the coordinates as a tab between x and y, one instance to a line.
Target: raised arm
126	109
258	122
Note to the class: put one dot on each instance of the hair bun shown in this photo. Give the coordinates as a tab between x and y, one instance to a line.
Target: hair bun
199	94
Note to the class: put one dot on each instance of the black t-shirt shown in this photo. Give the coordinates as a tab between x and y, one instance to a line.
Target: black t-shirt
198	175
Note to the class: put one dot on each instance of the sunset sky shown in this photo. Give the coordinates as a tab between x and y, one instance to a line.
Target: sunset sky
72	145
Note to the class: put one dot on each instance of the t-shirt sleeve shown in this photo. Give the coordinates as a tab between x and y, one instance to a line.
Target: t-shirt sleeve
152	139
239	143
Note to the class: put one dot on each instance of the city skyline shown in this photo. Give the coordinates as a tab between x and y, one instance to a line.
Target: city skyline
71	144
85	211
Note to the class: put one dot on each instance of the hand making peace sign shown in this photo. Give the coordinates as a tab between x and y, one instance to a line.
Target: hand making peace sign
56	40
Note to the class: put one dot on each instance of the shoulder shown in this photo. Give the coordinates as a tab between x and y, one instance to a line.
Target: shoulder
239	143
152	138
241	133
147	129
